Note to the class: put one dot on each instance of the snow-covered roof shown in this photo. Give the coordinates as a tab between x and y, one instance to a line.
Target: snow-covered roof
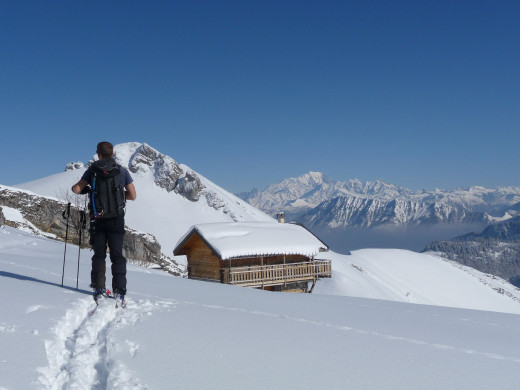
245	239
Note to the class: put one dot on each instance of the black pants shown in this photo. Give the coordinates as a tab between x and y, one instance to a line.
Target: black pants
109	231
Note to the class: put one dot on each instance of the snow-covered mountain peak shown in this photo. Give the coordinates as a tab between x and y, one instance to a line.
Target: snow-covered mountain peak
165	170
170	196
313	178
295	195
124	152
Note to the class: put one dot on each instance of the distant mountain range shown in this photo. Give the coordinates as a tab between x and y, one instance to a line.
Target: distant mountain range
318	201
332	208
495	251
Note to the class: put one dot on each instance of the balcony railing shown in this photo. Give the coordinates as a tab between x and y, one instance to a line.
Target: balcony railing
273	275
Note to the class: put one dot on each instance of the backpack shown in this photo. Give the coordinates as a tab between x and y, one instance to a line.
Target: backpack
107	196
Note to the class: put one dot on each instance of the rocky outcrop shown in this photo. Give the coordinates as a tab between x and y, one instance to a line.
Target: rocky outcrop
165	169
46	215
145	248
141	246
189	186
167	173
74	165
2	218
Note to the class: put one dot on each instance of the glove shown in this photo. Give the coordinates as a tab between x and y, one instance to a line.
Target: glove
85	190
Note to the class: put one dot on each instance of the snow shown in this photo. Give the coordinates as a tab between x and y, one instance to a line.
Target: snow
55	186
387	319
406	276
166	215
181	333
232	240
15	216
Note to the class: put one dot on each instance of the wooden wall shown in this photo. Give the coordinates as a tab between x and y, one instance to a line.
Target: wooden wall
202	263
271	260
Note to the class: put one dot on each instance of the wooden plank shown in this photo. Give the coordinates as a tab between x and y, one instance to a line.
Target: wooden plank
202	262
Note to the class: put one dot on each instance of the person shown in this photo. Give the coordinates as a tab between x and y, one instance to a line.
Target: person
107	230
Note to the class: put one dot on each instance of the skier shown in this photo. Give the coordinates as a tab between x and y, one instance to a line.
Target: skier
109	185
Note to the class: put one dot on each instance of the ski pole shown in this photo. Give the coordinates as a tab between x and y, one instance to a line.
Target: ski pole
82	226
66	215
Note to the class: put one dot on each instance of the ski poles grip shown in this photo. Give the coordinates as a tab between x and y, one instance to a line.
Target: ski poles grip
66	212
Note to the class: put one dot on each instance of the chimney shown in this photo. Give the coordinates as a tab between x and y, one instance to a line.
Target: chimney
280	217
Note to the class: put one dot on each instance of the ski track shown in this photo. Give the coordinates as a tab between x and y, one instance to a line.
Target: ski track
347	328
79	355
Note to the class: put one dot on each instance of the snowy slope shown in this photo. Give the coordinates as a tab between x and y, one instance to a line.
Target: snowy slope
180	333
406	276
158	209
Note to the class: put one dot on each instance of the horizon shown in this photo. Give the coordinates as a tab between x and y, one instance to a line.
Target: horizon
85	162
417	94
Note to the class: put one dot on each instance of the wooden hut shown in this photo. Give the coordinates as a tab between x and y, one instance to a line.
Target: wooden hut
271	256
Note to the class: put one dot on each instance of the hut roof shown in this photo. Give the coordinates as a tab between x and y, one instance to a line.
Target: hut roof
247	239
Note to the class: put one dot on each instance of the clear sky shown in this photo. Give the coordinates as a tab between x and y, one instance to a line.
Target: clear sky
422	94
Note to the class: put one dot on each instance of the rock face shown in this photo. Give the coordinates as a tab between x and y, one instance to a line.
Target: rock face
496	250
2	218
166	170
142	246
190	186
168	174
46	215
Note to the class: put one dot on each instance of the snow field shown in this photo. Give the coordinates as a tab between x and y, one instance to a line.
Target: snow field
406	276
180	333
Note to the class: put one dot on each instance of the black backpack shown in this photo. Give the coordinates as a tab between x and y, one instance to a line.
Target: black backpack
107	195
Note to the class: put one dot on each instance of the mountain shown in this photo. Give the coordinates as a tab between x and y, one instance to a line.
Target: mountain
496	250
341	210
349	211
171	197
301	195
187	334
297	195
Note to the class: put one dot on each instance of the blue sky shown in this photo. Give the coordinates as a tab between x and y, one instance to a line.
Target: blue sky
422	94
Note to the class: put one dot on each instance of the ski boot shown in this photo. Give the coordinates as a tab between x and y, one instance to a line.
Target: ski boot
100	293
120	300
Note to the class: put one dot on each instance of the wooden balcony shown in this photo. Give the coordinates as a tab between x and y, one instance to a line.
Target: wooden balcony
279	274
